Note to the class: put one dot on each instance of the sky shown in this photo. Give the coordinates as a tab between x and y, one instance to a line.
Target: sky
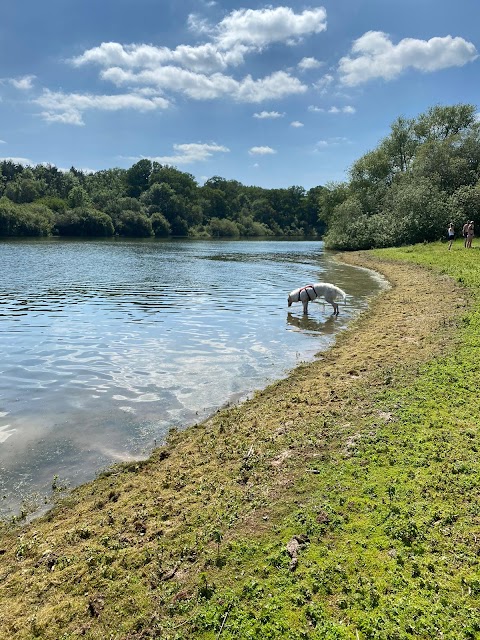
273	95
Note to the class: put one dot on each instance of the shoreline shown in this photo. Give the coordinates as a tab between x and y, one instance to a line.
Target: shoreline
233	477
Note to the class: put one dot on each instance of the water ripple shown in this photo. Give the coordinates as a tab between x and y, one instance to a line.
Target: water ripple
105	345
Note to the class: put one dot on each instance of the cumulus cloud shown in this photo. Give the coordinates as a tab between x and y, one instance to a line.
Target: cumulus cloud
189	153
261	27
203	58
208	87
296	124
309	63
261	151
347	109
68	108
374	55
199	72
23	83
268	114
315	109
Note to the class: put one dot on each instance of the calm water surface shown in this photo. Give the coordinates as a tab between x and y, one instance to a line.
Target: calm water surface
107	344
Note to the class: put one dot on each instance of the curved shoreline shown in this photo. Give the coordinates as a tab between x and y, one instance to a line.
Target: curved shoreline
239	472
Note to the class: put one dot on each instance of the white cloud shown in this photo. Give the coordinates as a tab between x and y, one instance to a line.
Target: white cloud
347	109
309	63
268	114
204	58
330	142
24	161
68	108
261	27
24	83
203	87
261	151
189	153
323	84
296	124
374	55
198	71
315	109
3	142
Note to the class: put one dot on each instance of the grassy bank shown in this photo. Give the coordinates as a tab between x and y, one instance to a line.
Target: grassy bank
341	503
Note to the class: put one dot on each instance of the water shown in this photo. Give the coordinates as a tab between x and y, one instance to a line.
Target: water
105	345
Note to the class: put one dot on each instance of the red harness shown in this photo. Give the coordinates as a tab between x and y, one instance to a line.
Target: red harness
306	288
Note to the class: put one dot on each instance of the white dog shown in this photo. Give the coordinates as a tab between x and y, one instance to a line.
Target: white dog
311	291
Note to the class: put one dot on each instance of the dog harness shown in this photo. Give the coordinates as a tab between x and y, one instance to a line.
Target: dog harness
306	288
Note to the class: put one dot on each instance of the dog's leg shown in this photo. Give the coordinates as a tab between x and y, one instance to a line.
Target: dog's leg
335	308
305	306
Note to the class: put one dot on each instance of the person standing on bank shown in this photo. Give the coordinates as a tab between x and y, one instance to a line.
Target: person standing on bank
470	234
450	235
465	233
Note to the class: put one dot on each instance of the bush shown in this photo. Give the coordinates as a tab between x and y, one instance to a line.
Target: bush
84	222
222	228
24	220
134	225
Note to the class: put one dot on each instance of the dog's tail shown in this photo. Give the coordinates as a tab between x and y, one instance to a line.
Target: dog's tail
342	293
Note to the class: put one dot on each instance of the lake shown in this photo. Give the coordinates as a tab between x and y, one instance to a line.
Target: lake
106	344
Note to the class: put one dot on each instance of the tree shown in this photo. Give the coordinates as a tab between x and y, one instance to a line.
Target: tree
134	225
78	197
218	228
24	188
25	219
160	225
439	123
183	184
137	178
83	221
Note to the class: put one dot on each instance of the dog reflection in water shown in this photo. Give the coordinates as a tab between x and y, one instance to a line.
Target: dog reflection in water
310	292
307	324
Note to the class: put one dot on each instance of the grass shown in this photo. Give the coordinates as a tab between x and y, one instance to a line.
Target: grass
366	458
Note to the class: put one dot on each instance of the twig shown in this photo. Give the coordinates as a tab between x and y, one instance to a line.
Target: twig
224	619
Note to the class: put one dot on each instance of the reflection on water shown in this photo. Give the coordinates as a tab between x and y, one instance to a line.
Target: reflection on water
310	325
107	344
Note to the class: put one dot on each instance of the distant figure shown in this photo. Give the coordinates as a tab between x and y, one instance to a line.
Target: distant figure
450	235
465	233
470	234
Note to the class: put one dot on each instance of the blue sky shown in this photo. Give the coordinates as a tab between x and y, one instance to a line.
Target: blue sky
274	95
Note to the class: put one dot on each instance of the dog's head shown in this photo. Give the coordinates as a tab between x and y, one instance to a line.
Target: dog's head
289	301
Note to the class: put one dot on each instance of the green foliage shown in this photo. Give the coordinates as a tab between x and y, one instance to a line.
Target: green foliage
160	225
405	191
170	199
134	225
84	222
23	189
24	220
78	197
222	228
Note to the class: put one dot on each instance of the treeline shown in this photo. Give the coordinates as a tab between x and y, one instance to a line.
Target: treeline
407	190
423	175
146	200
